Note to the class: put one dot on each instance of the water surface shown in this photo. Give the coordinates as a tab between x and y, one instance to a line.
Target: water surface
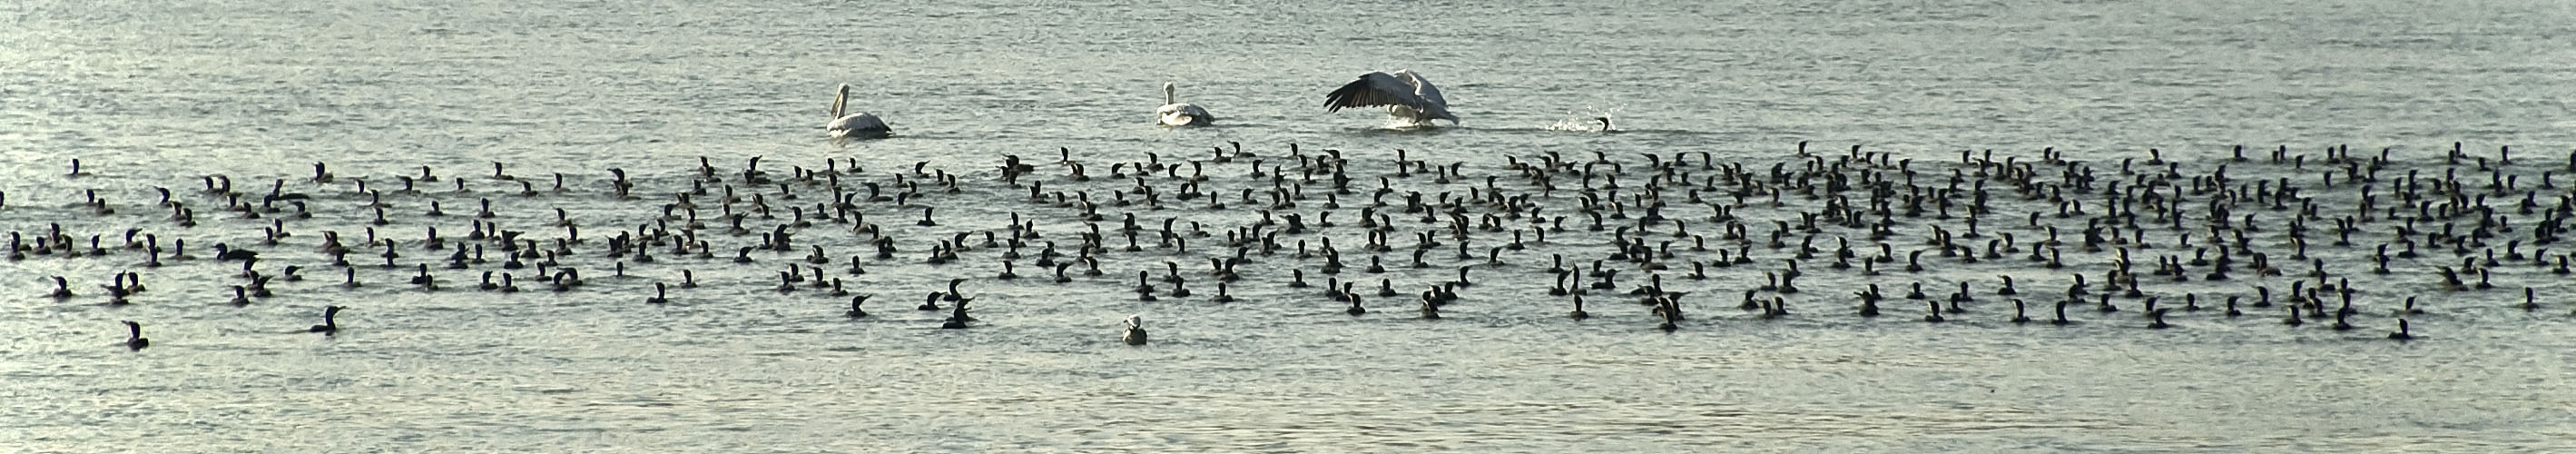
157	94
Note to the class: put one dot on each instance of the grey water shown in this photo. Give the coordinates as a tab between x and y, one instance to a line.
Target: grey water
165	94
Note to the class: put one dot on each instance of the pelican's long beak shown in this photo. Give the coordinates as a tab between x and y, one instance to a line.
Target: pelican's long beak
839	99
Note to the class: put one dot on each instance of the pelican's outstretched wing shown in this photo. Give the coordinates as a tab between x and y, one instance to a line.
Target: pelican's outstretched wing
1379	89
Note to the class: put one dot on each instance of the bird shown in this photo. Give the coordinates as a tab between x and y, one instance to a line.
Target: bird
225	252
1176	113
134	336
861	125
1409	99
1135	333
329	323
62	289
957	317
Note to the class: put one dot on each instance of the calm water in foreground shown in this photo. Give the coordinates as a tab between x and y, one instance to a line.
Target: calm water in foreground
159	94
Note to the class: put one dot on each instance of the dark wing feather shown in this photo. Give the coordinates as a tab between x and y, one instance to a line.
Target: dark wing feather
1372	89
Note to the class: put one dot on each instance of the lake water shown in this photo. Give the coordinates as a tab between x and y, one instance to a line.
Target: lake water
163	94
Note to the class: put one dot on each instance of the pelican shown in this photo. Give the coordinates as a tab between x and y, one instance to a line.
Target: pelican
1411	100
1135	334
1176	113
860	125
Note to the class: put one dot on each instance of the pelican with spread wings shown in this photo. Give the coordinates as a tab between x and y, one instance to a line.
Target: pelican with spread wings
1410	100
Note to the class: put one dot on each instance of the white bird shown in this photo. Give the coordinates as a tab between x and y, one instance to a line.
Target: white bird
1176	113
1411	100
860	125
1135	334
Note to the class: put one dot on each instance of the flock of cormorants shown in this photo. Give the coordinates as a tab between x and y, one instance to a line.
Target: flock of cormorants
1605	227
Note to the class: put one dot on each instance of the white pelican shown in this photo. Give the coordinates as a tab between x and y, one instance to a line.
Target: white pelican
860	125
1135	334
1176	113
1411	100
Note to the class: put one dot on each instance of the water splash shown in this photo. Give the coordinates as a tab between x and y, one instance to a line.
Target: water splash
1590	119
